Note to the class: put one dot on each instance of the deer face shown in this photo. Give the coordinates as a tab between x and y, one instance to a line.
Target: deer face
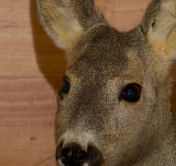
115	89
105	103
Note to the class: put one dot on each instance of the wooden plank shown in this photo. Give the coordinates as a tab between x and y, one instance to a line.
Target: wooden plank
29	79
126	20
24	45
27	111
107	7
26	146
131	5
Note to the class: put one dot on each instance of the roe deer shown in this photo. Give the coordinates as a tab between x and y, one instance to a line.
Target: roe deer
113	106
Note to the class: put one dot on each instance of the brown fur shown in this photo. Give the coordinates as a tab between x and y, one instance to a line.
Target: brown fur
101	62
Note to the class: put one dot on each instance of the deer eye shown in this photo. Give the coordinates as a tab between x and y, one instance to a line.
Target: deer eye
65	86
131	93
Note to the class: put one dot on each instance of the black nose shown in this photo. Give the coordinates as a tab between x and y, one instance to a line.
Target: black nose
73	155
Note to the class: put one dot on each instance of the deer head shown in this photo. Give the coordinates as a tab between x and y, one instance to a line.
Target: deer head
113	106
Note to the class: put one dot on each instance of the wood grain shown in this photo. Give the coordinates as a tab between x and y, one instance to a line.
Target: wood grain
31	68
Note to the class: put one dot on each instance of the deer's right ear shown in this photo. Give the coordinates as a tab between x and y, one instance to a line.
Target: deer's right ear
159	25
66	20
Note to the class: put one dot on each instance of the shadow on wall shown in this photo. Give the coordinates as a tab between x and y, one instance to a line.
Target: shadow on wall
50	59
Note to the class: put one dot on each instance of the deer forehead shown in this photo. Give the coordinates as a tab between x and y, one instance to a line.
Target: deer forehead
107	54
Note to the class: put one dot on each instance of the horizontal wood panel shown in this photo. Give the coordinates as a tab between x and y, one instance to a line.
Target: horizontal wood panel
126	20
131	5
26	146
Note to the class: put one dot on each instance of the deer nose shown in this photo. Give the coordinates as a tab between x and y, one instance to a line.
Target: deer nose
73	155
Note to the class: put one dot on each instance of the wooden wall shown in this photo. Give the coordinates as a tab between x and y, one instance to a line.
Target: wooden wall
31	68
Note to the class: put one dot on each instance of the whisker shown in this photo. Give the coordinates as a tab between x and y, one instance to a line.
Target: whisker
44	160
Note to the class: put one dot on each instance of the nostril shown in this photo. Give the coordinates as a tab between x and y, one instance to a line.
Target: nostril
66	153
80	155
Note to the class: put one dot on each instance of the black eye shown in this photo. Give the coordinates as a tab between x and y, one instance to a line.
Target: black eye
131	93
65	86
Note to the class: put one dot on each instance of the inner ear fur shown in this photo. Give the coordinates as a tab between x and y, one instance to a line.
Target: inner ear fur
159	25
66	20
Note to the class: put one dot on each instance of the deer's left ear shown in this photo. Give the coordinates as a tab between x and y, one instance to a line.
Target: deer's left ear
67	20
159	26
